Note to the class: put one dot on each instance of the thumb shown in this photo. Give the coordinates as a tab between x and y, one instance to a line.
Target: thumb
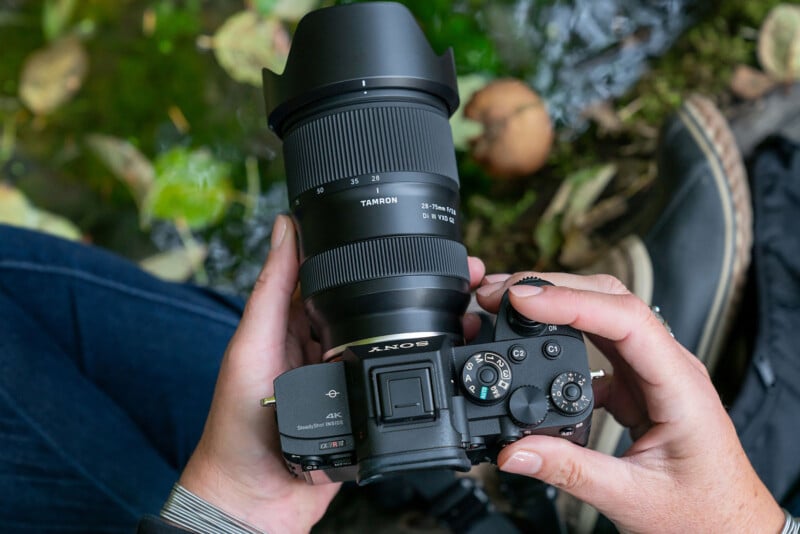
603	481
264	322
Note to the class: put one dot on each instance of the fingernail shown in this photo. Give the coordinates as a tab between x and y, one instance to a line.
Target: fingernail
522	463
525	290
487	290
279	230
494	278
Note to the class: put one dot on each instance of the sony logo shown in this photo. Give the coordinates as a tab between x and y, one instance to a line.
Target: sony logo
397	346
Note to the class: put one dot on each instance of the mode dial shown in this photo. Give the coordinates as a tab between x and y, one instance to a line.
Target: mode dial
570	393
486	377
528	406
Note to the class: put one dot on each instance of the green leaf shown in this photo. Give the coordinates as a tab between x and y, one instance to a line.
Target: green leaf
191	186
548	237
291	10
248	42
779	43
463	128
587	186
56	16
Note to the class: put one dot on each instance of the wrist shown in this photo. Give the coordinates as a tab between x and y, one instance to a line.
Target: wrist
270	504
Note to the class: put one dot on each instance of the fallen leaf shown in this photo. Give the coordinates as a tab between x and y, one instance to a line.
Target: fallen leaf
16	210
192	186
125	162
51	76
605	116
588	184
750	84
248	42
464	128
175	265
779	43
291	10
56	15
578	250
548	238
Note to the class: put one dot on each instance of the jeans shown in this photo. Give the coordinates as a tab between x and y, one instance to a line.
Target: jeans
106	377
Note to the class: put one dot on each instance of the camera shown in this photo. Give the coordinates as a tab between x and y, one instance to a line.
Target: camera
363	107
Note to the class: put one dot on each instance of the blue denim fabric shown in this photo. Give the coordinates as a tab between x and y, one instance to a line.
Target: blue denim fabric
106	376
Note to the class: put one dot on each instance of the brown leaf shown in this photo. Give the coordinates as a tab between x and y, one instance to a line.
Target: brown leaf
248	42
125	162
605	116
750	84
52	75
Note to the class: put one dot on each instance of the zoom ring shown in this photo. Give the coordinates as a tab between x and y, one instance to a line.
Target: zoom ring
379	258
368	141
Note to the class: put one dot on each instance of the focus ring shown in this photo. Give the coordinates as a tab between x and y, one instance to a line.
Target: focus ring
379	258
368	141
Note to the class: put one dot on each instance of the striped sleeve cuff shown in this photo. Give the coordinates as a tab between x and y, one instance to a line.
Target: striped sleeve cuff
186	510
792	524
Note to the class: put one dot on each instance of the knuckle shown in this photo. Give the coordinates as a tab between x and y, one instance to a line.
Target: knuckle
569	475
610	284
640	311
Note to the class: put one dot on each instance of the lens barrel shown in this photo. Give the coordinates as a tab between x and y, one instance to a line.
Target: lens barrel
363	108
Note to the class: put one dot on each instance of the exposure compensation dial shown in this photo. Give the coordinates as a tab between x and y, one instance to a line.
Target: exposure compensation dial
568	393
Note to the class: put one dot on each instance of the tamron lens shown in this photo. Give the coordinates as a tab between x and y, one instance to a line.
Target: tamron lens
362	108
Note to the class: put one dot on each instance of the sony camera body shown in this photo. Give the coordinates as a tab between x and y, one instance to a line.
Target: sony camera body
419	403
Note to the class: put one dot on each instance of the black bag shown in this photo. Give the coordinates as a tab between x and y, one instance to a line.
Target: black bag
766	411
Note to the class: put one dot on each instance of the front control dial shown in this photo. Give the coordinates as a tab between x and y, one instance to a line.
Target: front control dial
486	377
528	406
570	393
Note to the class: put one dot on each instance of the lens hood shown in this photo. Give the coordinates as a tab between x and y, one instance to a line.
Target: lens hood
357	48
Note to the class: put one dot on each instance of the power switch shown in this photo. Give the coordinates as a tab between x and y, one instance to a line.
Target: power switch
406	396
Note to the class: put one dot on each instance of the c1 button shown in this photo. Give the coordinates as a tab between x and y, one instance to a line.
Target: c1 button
517	353
551	350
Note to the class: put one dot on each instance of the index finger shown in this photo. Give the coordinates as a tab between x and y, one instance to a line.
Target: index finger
493	287
641	340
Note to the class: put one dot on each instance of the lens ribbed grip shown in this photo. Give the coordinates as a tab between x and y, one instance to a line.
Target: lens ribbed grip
368	140
379	258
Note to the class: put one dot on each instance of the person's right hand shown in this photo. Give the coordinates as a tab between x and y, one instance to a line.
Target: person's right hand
686	470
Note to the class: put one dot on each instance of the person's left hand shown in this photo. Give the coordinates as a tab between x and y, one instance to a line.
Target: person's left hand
237	465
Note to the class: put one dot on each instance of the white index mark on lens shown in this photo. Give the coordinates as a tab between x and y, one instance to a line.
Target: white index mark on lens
364	84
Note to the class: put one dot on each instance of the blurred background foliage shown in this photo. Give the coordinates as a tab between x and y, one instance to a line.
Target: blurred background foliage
139	125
